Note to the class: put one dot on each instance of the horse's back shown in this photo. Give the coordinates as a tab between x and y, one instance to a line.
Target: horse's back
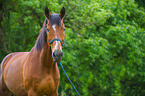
12	72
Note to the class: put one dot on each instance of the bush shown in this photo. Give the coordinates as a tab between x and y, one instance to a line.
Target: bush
104	46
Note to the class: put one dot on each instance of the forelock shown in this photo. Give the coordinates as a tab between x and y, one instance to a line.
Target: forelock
55	19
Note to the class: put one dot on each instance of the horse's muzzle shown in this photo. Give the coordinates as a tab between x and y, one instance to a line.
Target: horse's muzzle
57	55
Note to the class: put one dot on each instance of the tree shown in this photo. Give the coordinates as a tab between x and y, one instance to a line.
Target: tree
104	44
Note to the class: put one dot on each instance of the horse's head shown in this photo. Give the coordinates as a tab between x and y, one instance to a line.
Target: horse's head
55	31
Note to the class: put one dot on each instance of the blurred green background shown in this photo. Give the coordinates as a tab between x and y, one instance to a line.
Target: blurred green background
104	52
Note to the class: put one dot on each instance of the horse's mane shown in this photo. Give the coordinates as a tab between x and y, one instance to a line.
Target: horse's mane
41	38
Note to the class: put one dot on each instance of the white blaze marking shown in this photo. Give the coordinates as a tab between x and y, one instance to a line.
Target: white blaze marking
53	26
57	46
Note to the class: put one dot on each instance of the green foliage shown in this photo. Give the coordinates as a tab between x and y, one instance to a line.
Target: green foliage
104	50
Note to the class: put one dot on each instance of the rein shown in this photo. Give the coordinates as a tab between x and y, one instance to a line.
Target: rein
56	39
68	78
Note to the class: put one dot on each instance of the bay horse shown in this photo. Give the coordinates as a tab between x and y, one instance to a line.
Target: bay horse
36	73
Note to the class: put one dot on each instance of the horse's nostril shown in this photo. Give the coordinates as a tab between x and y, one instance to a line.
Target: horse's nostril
61	54
57	55
54	54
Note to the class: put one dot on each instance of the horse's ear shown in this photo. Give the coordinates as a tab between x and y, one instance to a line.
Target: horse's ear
47	12
62	13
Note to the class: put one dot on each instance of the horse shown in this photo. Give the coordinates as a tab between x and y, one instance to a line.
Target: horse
36	73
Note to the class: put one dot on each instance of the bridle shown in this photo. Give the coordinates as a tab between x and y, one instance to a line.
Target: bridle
56	39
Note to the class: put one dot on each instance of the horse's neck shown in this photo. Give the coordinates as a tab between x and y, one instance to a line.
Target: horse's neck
46	57
43	58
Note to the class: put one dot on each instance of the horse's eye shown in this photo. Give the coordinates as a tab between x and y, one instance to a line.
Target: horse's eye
47	30
64	29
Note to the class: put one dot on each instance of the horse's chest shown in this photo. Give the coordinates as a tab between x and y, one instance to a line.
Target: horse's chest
46	85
